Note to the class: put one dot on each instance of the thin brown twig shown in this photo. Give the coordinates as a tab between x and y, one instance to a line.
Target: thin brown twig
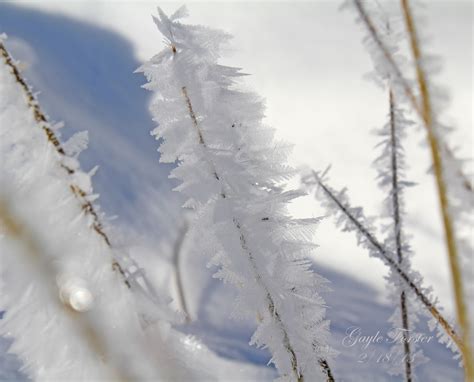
433	140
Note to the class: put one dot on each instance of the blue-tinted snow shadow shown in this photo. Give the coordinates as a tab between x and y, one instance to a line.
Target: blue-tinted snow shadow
86	77
355	304
351	303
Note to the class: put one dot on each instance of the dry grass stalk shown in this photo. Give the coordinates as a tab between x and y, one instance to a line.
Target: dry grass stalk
434	143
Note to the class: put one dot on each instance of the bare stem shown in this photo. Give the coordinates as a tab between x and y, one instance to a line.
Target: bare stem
388	259
453	257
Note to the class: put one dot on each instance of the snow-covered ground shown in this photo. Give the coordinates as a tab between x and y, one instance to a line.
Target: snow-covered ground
307	60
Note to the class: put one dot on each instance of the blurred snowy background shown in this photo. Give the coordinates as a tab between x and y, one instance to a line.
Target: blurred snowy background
307	60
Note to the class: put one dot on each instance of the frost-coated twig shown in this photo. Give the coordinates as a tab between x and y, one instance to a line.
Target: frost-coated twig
270	304
272	310
389	259
368	22
232	172
397	232
383	43
327	370
433	138
44	124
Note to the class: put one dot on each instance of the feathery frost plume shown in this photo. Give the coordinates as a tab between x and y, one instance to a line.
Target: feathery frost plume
391	170
232	170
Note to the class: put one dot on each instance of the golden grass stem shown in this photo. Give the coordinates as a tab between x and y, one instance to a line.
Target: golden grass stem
433	140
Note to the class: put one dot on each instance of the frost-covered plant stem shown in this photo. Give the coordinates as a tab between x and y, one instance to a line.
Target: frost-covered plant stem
232	173
435	148
44	124
243	242
389	260
270	304
366	19
397	232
